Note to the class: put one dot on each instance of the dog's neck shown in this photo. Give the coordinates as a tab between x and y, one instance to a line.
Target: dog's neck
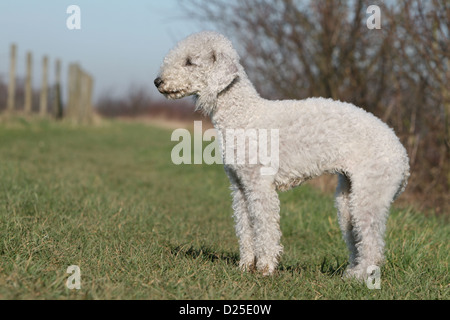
232	105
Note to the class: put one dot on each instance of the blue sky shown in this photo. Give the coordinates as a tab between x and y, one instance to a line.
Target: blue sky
121	43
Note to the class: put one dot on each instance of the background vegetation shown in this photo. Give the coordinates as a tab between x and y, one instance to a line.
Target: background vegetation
299	49
401	72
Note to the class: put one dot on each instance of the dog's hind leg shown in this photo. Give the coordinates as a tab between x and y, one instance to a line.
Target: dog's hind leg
345	221
370	199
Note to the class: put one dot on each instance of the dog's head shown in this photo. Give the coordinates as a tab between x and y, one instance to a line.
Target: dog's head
204	64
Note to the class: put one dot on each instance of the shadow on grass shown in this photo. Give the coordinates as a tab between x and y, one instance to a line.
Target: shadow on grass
205	253
332	268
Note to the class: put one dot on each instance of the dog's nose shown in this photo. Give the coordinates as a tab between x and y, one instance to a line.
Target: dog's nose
158	81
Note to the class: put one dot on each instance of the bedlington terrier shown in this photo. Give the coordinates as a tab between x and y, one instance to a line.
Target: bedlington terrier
315	136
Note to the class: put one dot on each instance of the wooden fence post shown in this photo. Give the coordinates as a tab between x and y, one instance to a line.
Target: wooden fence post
85	111
74	92
57	103
89	92
12	79
44	88
28	89
87	84
70	91
80	88
82	97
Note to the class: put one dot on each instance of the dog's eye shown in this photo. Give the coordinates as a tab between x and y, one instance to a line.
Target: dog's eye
189	63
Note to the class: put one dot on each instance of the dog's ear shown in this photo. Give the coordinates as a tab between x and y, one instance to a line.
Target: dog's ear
224	71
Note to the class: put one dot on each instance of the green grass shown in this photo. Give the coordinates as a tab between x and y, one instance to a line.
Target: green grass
109	199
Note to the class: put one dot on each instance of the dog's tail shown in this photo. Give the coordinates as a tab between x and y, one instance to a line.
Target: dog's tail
404	183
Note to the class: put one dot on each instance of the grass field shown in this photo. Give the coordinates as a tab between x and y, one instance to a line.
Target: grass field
108	199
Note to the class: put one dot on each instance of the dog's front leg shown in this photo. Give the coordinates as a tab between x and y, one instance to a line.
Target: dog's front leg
244	230
264	211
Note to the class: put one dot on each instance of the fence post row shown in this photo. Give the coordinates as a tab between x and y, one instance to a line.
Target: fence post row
80	90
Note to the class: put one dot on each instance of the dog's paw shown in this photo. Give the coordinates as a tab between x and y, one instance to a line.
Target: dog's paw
360	272
353	274
247	265
266	268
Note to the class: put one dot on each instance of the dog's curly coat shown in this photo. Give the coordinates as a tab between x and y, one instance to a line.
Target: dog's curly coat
316	136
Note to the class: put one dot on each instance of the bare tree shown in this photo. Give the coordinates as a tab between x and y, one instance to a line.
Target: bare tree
311	48
422	47
299	49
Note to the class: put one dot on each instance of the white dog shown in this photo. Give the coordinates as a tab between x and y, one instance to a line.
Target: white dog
316	136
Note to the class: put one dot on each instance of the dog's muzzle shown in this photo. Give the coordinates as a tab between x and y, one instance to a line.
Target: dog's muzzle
158	82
